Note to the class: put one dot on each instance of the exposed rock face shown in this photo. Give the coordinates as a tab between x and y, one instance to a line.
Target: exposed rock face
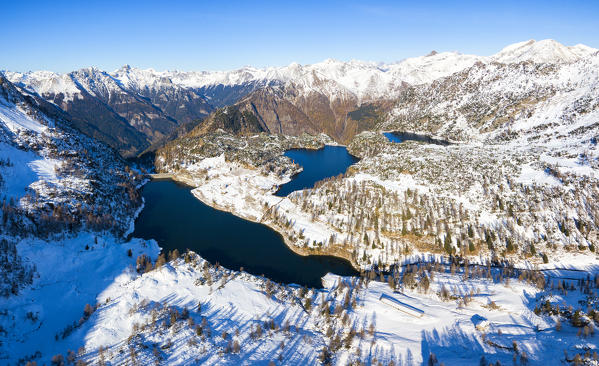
286	110
231	119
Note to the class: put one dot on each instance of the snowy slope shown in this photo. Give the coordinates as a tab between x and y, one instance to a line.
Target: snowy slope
424	69
65	201
545	51
68	276
16	120
23	167
244	319
52	169
46	82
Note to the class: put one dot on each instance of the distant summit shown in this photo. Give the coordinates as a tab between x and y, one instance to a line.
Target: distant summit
545	51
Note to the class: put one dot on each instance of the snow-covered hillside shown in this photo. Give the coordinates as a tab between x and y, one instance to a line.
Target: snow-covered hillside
66	202
53	175
192	312
545	51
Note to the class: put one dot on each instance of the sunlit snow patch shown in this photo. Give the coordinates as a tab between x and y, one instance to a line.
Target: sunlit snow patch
16	120
45	169
531	175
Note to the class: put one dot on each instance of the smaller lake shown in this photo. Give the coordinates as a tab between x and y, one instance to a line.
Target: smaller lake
400	137
318	165
177	220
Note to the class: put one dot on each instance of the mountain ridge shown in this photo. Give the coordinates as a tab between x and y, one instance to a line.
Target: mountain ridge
145	106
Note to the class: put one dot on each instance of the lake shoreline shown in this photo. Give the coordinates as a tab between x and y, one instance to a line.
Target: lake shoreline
226	236
188	181
333	160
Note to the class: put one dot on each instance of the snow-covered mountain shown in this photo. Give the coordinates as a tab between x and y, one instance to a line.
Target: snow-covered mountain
496	102
363	79
126	119
131	108
545	51
49	168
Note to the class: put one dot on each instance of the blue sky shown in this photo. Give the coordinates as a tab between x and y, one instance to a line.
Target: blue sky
196	35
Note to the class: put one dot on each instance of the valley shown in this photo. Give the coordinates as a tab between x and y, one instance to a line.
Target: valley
441	209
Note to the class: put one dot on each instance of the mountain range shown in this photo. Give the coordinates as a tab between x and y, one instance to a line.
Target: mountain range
132	109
